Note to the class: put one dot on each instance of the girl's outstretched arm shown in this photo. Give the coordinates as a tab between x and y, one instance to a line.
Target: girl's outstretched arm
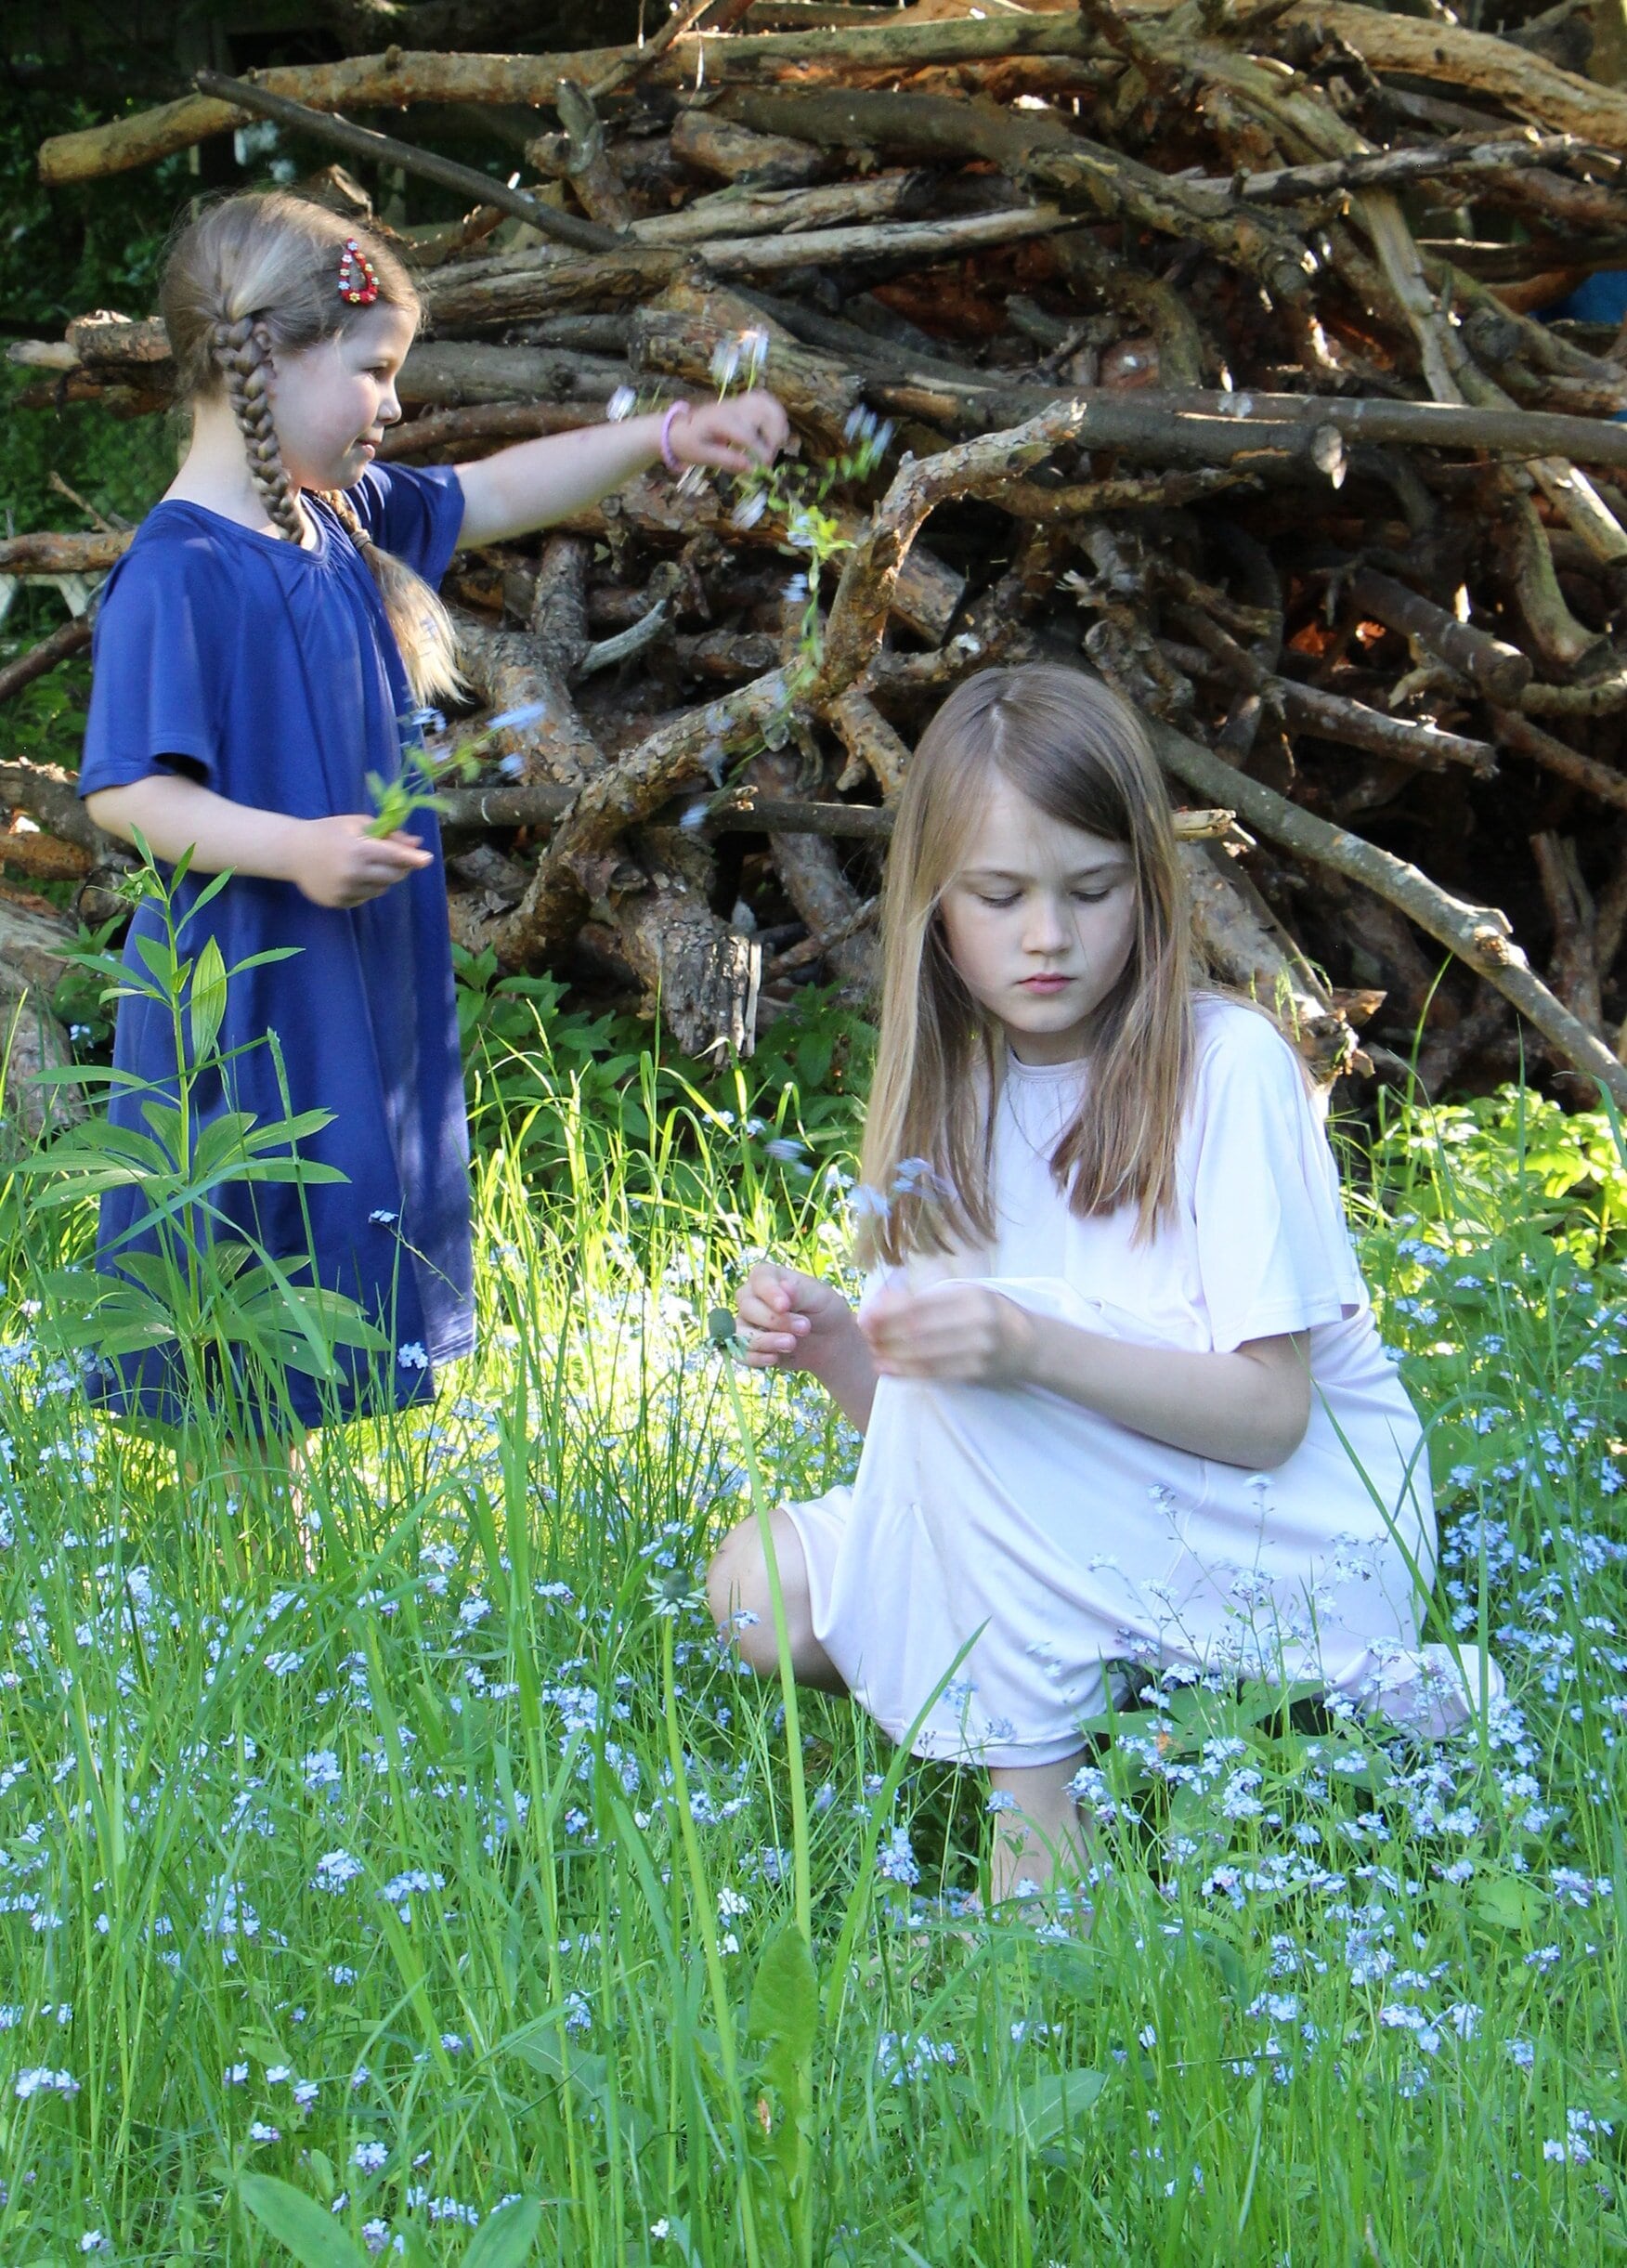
333	862
538	482
1248	1407
792	1321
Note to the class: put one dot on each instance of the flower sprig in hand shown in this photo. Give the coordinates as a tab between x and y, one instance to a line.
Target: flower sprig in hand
425	771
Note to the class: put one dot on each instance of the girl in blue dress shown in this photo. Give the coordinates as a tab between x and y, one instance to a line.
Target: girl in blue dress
260	649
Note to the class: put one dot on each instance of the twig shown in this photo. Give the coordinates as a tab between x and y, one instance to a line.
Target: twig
362	142
1479	935
682	22
109	523
814	948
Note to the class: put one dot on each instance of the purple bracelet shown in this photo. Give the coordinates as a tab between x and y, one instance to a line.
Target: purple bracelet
676	409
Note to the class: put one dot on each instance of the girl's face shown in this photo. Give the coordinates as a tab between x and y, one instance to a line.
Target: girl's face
331	402
1040	922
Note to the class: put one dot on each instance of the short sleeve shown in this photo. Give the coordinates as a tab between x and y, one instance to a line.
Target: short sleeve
414	511
1274	1248
159	668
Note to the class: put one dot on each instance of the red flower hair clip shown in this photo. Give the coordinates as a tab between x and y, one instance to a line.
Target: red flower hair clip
358	282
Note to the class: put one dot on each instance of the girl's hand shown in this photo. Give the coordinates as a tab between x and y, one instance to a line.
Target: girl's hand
791	1321
960	1333
747	430
336	862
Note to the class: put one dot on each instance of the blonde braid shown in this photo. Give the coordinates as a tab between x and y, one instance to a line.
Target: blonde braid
350	520
423	627
240	355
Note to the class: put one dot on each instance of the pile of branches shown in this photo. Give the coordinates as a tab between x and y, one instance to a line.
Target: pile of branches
1203	337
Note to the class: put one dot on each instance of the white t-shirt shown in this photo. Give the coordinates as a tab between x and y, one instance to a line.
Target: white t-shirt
1049	1539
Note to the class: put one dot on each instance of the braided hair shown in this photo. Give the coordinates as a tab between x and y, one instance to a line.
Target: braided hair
258	274
240	355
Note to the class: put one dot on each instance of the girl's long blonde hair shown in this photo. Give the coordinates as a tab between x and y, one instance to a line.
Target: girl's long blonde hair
255	275
1076	751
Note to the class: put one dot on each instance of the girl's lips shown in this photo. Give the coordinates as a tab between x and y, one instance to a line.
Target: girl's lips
1046	983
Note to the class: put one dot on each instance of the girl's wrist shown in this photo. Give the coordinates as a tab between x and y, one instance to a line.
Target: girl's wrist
1026	1344
285	857
673	416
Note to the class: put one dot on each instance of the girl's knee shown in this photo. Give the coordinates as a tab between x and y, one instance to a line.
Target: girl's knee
737	1593
737	1579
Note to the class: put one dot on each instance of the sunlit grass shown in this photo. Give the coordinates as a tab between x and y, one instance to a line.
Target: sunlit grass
365	1869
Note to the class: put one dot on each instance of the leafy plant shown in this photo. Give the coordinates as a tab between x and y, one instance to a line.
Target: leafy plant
218	1309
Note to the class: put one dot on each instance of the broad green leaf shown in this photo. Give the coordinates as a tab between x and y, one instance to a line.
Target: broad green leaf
1043	2112
1507	1901
507	2238
784	1996
299	2223
785	2012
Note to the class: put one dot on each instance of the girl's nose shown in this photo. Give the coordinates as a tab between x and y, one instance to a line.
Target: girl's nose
1045	930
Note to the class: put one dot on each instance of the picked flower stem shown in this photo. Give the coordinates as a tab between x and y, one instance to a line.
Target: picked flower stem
424	772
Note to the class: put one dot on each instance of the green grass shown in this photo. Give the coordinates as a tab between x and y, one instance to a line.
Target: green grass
371	1875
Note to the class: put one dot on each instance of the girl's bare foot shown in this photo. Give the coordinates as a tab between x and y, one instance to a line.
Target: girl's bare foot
1039	1840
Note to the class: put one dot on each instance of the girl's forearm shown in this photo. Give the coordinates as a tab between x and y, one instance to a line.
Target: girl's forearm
1248	1407
175	815
848	1375
537	482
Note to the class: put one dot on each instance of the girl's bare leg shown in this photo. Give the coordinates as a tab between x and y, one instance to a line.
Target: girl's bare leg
260	1466
736	1589
1039	1835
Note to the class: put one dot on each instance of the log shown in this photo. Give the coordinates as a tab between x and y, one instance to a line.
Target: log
48	554
743	810
1246	948
24	849
69	638
1525	738
499	422
453	373
711	143
1501	671
636	270
50	797
1094	380
812	873
397	78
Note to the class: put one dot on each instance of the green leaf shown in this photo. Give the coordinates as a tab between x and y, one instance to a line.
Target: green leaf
785	1998
1507	1901
1043	2112
785	2012
207	1008
299	2223
161	961
507	2238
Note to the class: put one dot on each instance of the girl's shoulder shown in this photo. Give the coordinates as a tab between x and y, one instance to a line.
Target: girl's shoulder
1234	1040
177	550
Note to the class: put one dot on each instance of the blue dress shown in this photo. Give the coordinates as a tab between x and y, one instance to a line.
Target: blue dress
270	674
